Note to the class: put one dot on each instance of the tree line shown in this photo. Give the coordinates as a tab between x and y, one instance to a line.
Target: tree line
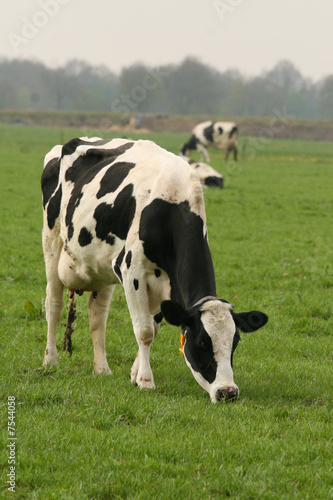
190	87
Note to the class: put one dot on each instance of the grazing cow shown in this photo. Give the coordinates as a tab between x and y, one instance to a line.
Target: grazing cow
207	175
220	135
131	212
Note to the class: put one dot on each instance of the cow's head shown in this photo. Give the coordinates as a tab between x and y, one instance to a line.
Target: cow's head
211	335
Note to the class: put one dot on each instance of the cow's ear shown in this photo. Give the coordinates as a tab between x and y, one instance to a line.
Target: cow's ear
250	321
174	313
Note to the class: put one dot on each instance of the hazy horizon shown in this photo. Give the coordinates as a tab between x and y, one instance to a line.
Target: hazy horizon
248	35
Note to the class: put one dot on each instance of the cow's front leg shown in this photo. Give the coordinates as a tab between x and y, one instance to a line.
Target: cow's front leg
99	305
203	152
136	364
141	373
144	328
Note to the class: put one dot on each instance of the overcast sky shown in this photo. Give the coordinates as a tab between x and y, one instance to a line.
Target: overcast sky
249	35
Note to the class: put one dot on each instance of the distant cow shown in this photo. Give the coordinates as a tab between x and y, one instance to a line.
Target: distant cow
220	135
131	212
207	175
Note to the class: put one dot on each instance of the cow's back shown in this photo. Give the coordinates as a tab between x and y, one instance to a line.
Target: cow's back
219	134
228	136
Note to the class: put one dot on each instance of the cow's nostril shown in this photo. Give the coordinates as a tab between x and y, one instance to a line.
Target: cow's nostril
221	394
233	393
227	394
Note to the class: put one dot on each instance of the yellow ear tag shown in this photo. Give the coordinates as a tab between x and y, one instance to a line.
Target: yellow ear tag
182	342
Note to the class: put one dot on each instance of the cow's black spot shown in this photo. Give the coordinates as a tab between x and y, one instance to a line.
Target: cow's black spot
220	129
116	218
118	263
96	159
103	216
49	179
199	352
113	177
70	231
85	237
136	284
157	273
73	203
53	208
128	259
158	317
208	132
72	145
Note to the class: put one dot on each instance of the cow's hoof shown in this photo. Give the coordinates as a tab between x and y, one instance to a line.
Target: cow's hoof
102	370
145	383
50	361
47	369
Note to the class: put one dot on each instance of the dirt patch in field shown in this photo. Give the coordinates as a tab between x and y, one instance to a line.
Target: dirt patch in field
272	127
250	127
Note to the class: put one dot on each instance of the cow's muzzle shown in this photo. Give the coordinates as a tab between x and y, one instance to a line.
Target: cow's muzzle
227	394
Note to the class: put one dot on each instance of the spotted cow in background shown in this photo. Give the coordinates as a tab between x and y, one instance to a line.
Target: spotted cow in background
220	135
120	211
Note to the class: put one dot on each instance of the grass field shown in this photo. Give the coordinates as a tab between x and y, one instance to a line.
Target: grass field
80	436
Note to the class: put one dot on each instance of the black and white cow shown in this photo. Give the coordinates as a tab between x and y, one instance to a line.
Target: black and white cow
207	175
131	212
220	135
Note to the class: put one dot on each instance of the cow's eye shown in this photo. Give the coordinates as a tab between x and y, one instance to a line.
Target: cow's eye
201	343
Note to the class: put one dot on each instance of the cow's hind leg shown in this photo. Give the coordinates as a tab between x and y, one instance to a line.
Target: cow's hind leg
54	295
99	305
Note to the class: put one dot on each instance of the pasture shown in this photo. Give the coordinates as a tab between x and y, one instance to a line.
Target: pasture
87	437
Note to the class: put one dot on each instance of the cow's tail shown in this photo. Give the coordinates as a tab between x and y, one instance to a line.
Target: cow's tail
71	316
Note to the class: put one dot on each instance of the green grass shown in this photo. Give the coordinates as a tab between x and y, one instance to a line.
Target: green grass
88	437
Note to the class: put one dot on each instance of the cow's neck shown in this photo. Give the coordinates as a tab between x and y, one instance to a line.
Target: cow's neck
173	238
192	274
